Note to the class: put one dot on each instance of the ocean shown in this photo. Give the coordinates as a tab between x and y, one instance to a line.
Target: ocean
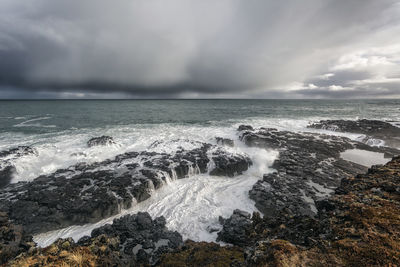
60	129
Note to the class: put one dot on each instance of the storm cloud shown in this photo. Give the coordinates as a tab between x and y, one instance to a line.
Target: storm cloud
189	49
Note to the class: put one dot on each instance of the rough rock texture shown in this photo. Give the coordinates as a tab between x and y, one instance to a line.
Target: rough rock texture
17	152
6	175
133	240
307	221
229	166
89	192
7	170
309	168
236	228
13	240
373	129
245	128
141	237
358	226
101	141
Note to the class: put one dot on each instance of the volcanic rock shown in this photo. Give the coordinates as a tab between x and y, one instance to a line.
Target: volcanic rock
225	141
13	239
101	141
373	129
141	237
87	193
229	166
245	128
309	168
357	226
7	169
17	152
236	228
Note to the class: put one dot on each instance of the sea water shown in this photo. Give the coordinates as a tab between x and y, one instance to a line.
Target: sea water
59	130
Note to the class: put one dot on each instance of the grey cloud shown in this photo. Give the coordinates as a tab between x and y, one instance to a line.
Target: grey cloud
349	93
342	78
174	48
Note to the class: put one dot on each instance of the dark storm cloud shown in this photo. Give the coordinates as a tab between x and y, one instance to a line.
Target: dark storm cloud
182	48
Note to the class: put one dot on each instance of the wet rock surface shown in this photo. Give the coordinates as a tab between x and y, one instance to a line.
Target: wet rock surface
101	141
308	169
6	175
17	152
317	209
373	129
236	228
7	169
86	193
225	141
357	225
245	128
229	166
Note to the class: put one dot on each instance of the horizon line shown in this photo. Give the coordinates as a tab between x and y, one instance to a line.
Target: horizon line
129	99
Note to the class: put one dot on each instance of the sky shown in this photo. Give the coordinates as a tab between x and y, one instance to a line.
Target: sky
199	49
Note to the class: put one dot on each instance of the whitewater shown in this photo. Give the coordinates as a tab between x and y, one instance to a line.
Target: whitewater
191	206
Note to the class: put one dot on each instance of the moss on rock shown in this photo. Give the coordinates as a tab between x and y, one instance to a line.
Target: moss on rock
203	254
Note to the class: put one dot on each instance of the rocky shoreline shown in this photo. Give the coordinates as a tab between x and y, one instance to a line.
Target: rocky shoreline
87	193
309	168
318	209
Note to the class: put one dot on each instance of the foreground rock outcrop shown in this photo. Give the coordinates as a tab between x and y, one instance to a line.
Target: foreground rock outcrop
13	239
86	193
358	225
235	228
102	251
140	237
132	240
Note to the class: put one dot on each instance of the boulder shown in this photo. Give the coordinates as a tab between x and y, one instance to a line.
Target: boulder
245	128
141	237
101	141
236	228
225	141
6	175
229	165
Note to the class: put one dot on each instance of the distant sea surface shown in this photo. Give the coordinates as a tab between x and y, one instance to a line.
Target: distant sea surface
49	116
